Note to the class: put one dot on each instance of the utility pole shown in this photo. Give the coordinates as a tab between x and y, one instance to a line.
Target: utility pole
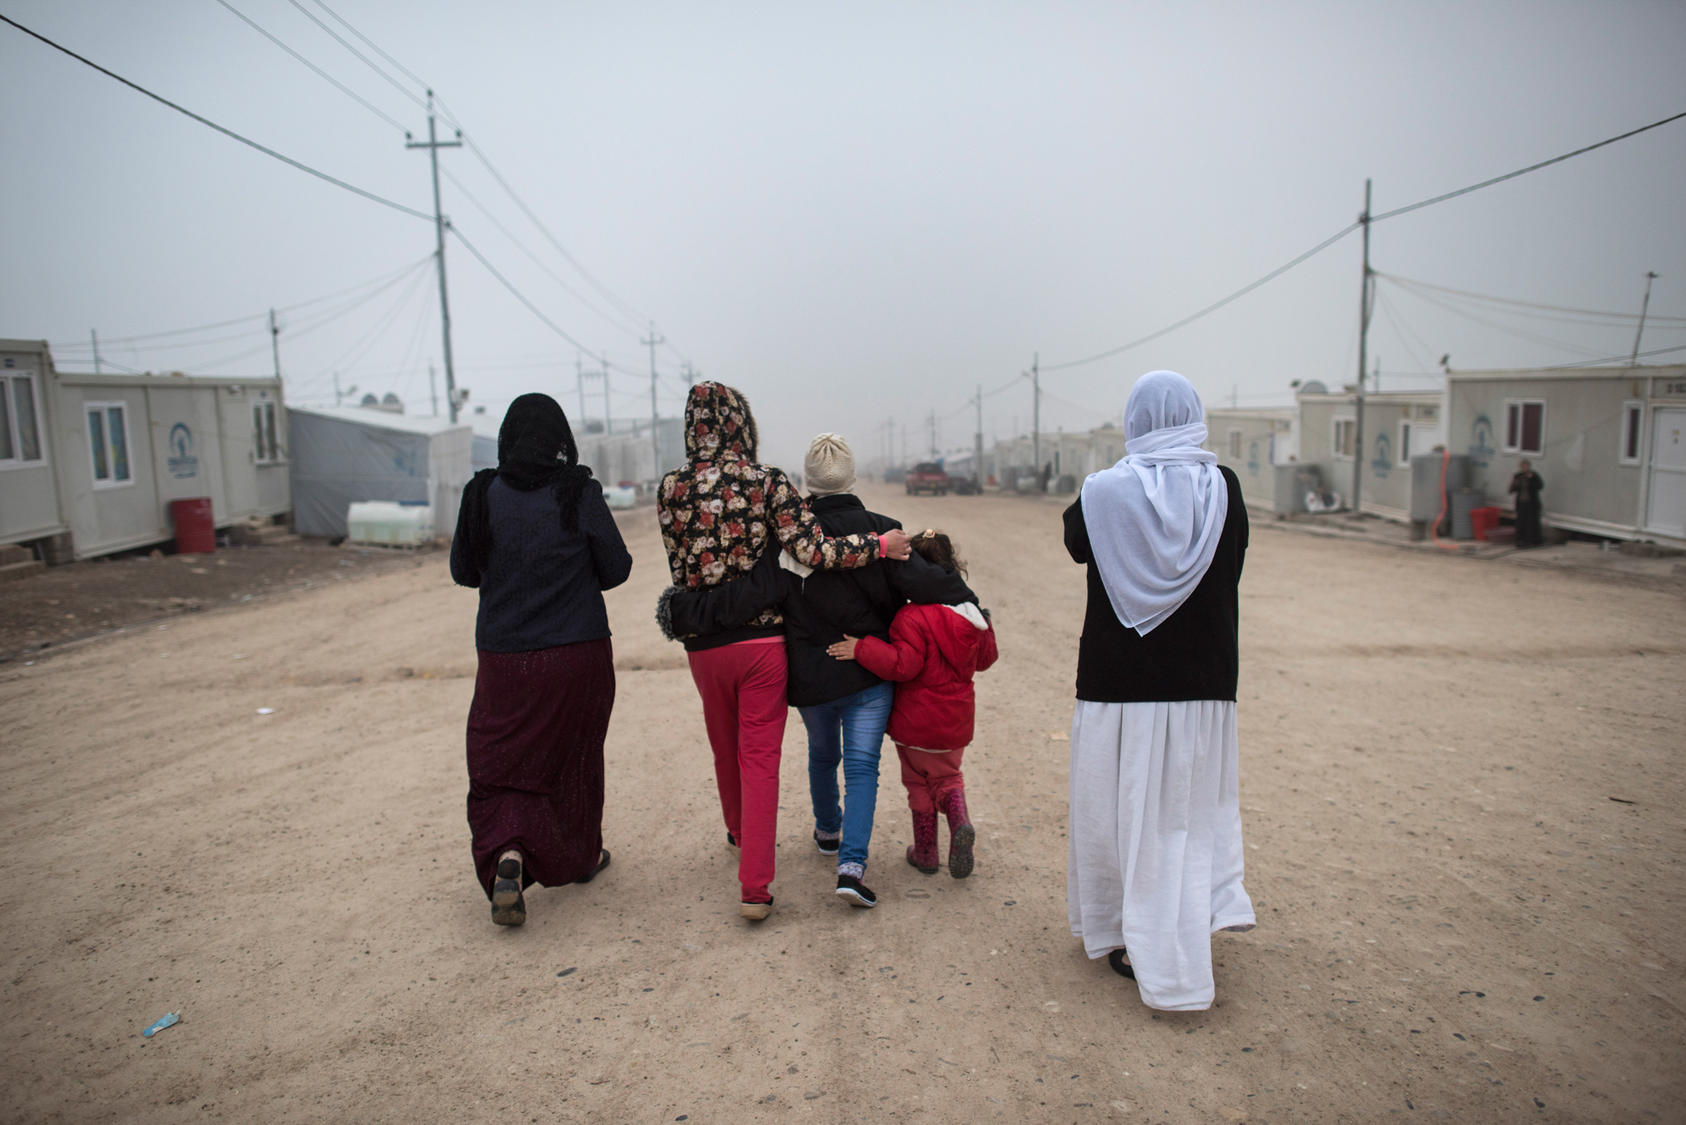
433	386
433	145
607	429
579	382
1363	340
275	343
1036	414
655	438
977	443
95	337
1633	360
933	424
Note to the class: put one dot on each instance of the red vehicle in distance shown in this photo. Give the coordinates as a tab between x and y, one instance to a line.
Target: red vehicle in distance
927	476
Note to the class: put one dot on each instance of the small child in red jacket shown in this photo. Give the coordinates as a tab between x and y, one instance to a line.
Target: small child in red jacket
932	653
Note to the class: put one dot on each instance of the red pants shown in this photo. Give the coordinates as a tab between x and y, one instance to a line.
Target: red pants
928	776
743	698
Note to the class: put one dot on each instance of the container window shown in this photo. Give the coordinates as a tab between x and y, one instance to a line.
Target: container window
20	431
108	443
1633	420
1345	438
1234	444
1404	443
265	450
1525	426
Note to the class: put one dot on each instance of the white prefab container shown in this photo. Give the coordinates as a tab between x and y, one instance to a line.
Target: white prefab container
90	463
384	523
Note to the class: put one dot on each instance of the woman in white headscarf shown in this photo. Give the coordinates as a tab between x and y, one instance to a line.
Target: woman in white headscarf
1155	859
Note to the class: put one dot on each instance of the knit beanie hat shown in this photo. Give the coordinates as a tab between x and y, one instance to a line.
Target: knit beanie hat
829	466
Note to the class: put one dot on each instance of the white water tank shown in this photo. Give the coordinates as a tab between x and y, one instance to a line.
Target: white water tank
384	523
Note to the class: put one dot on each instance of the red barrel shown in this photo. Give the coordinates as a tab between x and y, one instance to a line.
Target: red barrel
1482	521
196	534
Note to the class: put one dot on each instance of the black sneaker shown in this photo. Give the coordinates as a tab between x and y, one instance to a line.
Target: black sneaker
856	892
827	847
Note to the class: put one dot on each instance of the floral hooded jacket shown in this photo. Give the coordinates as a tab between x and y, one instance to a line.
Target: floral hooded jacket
719	510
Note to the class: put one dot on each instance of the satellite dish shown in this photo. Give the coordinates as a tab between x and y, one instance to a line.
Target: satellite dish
371	401
391	403
1313	387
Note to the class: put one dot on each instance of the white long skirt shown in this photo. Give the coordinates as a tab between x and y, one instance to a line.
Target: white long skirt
1156	859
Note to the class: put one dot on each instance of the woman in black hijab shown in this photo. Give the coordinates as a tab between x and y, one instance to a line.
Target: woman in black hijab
536	538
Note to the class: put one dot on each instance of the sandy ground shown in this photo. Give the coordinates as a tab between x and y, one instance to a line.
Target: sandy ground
1458	916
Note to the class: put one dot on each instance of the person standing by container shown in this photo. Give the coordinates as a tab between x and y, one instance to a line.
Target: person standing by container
536	538
1526	485
1155	854
720	513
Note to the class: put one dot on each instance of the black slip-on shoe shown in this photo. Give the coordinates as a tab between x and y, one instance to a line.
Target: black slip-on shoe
509	908
854	892
827	847
1119	965
602	862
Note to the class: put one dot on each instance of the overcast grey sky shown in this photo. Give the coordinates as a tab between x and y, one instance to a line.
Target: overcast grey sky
854	212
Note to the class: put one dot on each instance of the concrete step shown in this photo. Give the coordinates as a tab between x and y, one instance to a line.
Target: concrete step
14	571
12	553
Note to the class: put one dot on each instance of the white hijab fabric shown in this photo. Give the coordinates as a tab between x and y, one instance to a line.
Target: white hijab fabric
1155	517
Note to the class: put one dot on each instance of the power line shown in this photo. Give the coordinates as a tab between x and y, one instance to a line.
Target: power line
1524	171
516	293
230	133
383	282
370	43
534	258
1408	282
1617	358
338	38
625	309
1211	308
337	84
1530	337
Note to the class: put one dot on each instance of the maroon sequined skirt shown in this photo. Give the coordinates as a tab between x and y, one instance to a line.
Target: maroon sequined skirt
535	759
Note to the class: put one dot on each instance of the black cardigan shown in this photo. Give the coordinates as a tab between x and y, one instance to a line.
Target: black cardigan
542	586
1193	654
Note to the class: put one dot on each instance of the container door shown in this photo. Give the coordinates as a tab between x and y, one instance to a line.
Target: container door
1665	509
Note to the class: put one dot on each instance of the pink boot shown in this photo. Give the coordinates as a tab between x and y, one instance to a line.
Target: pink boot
922	853
961	834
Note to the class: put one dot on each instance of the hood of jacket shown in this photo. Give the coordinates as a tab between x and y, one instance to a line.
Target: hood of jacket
718	424
958	630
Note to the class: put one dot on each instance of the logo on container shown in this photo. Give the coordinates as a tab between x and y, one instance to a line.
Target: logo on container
182	461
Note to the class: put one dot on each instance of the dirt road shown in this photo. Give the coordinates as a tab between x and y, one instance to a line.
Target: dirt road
1462	791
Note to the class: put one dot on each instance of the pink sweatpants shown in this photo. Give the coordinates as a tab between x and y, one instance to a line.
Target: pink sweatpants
742	687
928	776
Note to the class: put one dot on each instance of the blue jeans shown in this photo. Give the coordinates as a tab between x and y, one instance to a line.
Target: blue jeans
859	719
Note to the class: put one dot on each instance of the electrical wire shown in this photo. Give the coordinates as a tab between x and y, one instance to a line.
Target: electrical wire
1617	358
1530	337
1629	318
386	278
534	258
1406	334
1397	211
335	82
624	308
230	133
373	46
371	64
516	293
1211	308
445	111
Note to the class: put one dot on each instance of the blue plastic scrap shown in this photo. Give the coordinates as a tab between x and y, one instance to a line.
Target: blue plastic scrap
168	1021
